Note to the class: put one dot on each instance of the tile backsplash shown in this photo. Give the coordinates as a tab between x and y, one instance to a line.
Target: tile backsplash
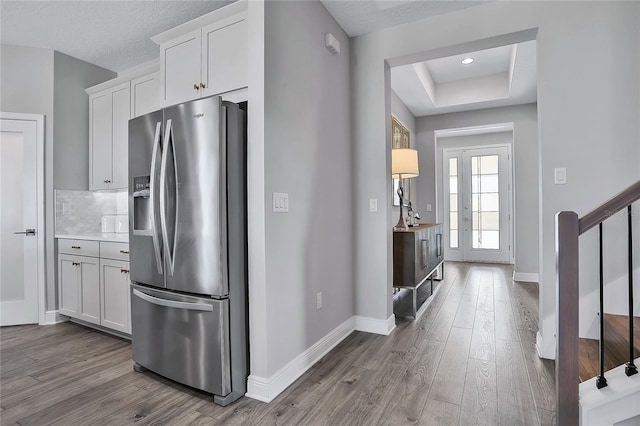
80	212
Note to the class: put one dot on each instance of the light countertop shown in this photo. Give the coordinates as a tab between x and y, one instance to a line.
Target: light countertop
98	236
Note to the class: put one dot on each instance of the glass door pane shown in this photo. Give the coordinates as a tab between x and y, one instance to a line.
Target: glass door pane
485	196
453	202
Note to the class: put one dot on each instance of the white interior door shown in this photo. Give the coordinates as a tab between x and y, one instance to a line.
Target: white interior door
478	204
19	289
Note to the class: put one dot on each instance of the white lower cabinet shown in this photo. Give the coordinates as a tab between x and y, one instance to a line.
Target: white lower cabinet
79	287
115	310
95	289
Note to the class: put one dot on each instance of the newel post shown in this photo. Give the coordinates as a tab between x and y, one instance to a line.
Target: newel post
567	298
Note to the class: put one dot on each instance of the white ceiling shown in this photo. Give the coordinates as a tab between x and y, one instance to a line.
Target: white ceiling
116	35
359	17
501	76
112	34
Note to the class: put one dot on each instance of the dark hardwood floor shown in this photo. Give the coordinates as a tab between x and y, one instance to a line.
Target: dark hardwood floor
616	347
470	359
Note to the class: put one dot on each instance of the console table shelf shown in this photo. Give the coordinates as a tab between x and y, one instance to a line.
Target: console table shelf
417	254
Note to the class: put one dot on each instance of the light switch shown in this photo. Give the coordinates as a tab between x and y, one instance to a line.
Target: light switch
428	207
560	174
66	208
280	202
373	205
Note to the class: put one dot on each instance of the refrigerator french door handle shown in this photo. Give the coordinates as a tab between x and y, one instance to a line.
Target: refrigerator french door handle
168	146
163	190
152	191
223	201
173	303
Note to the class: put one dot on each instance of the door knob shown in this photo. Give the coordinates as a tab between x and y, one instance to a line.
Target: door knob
195	87
28	232
202	86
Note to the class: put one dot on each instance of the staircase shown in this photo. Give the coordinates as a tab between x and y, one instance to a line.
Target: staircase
609	392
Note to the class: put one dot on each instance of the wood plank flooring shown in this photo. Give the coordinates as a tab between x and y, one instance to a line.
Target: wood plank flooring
470	359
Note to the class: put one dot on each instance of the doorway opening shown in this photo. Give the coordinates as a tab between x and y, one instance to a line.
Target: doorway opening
22	295
476	196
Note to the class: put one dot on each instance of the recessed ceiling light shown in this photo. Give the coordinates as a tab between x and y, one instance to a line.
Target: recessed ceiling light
467	61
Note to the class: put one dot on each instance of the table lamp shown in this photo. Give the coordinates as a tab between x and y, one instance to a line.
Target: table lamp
404	165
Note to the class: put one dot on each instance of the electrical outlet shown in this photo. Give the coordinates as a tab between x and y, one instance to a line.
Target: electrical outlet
66	208
319	301
428	207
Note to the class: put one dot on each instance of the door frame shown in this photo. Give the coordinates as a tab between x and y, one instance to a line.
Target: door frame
38	119
442	198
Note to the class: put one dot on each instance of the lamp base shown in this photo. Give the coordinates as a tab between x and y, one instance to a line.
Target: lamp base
400	225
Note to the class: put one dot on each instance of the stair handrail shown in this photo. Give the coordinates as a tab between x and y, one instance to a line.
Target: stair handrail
568	228
610	207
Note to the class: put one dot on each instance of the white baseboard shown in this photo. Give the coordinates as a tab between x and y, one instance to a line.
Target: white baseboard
527	277
376	326
53	317
539	344
266	389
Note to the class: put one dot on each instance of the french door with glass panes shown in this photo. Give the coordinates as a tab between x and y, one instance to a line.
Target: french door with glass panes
477	183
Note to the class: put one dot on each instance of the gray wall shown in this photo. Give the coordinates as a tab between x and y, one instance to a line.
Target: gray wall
587	119
307	155
29	85
525	168
71	127
402	113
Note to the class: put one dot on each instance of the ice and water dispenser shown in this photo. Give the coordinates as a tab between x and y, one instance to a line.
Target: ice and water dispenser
142	209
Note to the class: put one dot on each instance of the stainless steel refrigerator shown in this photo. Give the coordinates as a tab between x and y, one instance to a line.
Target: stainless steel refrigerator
187	238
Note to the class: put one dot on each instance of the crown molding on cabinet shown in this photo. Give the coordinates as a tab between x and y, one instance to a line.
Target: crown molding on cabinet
195	24
129	74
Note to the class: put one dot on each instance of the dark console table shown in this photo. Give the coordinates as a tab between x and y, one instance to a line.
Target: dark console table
417	254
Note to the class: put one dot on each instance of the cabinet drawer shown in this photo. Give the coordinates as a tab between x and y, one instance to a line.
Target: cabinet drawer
79	247
116	251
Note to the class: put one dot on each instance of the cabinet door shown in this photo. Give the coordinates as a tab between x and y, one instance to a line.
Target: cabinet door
100	155
225	56
121	113
89	295
114	289
144	95
68	285
180	67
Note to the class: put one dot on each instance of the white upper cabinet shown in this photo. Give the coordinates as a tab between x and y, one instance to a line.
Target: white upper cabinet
111	105
145	96
180	68
206	56
225	59
120	113
109	113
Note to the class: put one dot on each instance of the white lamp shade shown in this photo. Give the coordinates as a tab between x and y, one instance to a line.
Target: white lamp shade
404	161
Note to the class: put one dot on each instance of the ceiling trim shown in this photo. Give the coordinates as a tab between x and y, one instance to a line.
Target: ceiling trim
461	48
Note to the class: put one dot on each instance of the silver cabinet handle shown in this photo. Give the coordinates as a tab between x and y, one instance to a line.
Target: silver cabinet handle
28	232
173	303
424	251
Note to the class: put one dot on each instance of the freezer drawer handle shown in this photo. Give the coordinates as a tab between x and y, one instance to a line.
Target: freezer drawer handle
173	303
